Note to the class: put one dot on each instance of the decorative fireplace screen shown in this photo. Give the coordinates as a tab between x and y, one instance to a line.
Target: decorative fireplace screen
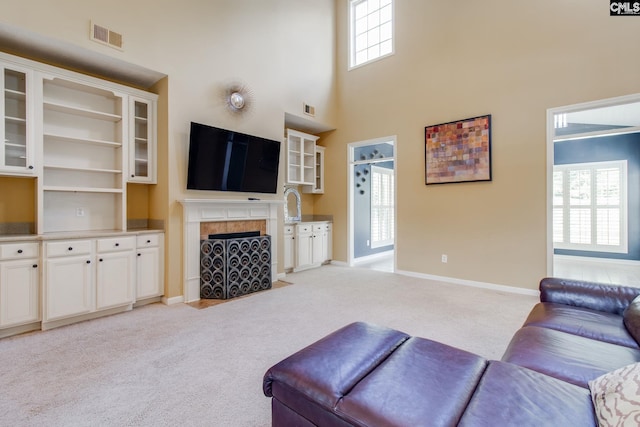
231	267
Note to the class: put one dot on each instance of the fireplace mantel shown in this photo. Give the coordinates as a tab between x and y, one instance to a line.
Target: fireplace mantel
196	211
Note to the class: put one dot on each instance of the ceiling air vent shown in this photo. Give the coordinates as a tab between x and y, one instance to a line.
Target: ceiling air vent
105	36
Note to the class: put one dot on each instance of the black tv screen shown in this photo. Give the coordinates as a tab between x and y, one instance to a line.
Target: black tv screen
224	160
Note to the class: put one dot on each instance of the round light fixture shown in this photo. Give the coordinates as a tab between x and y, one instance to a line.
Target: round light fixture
236	101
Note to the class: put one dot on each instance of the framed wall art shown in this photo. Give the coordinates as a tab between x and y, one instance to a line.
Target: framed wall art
458	151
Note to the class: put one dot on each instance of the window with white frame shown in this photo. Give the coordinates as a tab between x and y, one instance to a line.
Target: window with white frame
371	30
590	206
382	206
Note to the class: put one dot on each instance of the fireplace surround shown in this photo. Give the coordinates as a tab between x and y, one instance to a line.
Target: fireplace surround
198	211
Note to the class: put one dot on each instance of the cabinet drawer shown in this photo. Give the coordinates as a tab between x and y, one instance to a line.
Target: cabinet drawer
18	250
304	228
116	244
68	248
147	241
319	227
288	229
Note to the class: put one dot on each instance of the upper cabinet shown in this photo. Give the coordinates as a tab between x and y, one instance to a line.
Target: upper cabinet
84	138
142	147
16	128
305	162
301	149
318	179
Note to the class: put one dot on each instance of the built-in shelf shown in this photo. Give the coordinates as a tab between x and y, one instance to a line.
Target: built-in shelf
14	94
79	169
49	136
82	189
68	109
15	119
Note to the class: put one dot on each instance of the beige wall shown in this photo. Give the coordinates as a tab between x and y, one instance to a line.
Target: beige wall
282	50
455	60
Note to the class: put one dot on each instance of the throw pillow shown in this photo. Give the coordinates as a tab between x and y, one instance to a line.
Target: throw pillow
631	317
616	397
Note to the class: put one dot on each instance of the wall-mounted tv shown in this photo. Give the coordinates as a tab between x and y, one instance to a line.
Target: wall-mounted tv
224	160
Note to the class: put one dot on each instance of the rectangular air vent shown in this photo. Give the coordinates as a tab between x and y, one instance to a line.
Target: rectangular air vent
105	36
309	109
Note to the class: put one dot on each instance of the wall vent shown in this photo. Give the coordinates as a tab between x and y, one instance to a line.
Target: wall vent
309	109
105	36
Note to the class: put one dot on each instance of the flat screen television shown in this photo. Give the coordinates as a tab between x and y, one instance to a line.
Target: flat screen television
224	160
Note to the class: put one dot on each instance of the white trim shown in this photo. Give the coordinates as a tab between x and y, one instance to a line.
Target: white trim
372	257
351	45
598	260
392	140
196	211
551	112
471	283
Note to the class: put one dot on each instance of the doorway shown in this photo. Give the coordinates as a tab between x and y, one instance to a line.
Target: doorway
372	203
593	191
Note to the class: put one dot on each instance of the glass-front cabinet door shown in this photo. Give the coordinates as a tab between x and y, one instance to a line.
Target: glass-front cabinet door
142	141
17	154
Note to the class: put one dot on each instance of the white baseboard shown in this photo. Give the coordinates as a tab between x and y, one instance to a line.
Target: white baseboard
372	257
472	283
281	276
587	259
339	263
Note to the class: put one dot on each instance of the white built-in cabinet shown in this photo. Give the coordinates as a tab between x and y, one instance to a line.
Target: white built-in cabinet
307	245
19	284
149	266
84	139
318	183
305	161
86	276
142	147
289	247
69	279
17	156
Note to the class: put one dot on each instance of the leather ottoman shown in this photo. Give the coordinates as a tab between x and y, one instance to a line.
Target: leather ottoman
365	375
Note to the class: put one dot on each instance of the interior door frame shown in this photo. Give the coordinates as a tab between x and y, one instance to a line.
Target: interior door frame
551	112
351	162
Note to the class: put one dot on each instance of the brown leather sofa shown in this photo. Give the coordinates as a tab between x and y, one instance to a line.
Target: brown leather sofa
367	375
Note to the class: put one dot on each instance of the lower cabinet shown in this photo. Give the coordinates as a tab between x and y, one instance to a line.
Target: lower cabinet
115	272
69	279
44	284
92	275
19	284
149	266
312	245
289	247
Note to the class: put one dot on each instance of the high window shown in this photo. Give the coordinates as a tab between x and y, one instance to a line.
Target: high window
371	29
590	206
382	209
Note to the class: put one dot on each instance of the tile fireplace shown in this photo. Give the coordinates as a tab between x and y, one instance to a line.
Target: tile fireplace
202	217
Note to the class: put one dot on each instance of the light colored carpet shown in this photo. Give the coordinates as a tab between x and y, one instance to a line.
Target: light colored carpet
178	366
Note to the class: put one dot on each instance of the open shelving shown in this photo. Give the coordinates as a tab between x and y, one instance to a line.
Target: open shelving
83	183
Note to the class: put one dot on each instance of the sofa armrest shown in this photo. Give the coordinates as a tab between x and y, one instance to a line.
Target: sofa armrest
592	295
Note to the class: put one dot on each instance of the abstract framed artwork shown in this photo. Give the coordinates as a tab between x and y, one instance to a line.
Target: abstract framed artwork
458	151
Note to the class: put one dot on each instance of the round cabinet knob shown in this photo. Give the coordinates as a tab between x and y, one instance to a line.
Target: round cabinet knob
70	248
139	254
100	260
19	251
88	261
117	244
133	176
35	265
148	241
30	166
